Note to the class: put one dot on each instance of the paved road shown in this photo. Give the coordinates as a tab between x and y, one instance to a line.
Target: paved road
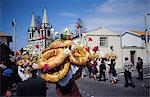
91	88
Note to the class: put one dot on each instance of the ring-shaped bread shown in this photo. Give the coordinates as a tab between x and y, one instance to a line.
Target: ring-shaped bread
52	57
79	56
60	44
56	76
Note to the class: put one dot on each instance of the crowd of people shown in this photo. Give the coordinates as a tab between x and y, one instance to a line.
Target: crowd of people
104	69
29	82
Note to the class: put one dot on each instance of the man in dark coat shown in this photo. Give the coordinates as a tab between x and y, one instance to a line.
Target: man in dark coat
32	87
139	67
102	69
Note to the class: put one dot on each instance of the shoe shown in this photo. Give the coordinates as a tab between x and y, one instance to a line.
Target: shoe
133	86
99	80
125	86
104	80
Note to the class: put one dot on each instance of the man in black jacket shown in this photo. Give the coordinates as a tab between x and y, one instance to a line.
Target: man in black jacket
32	87
139	67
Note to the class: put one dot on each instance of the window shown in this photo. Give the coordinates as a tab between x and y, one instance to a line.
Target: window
103	41
42	33
30	36
48	33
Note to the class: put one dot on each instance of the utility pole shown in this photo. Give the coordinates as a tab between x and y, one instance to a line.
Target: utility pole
146	38
14	30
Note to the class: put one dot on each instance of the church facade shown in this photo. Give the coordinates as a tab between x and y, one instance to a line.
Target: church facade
39	38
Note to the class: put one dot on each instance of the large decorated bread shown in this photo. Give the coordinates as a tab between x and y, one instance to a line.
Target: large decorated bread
56	60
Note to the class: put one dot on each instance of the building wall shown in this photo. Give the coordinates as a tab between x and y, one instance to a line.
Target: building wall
41	44
138	53
114	41
131	40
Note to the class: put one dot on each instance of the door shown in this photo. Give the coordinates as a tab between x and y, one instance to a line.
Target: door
132	57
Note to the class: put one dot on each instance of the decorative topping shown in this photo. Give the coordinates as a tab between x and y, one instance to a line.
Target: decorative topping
45	67
37	46
95	49
34	66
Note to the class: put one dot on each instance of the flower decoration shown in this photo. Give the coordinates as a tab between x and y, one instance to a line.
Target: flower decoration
45	67
87	49
90	39
17	53
37	46
95	49
34	66
77	25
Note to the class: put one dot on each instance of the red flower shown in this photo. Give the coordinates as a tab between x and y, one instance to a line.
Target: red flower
37	46
70	38
77	25
87	49
17	53
95	49
90	39
45	66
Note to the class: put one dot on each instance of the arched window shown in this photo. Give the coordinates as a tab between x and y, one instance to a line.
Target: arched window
30	36
48	33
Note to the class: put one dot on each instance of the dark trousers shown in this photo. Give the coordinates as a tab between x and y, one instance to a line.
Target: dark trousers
102	74
140	72
128	76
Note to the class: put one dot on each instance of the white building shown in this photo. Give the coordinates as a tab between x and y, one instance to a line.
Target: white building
39	39
104	39
133	46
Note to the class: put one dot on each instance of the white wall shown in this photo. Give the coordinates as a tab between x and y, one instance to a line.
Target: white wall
131	40
138	53
114	41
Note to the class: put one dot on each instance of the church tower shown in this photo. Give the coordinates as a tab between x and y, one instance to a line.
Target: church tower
39	38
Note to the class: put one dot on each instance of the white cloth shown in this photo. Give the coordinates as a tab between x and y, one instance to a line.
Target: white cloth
70	74
22	75
2	66
128	66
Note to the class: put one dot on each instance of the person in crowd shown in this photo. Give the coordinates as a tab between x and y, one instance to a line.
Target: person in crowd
139	67
2	67
128	73
24	72
32	87
7	78
94	69
90	70
102	69
107	63
112	71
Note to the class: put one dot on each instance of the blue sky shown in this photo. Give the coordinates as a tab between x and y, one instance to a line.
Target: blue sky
116	15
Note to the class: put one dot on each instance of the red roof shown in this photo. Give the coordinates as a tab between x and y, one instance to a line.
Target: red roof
139	32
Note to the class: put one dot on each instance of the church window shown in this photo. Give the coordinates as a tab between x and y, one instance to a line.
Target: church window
42	33
30	36
48	33
103	41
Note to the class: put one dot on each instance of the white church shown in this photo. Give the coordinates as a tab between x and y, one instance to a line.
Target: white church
39	39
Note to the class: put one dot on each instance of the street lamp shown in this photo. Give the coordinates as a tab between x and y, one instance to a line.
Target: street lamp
146	38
